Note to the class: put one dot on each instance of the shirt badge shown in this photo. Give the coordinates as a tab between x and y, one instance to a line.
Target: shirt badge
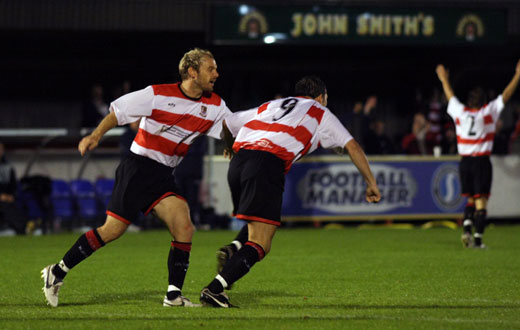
203	110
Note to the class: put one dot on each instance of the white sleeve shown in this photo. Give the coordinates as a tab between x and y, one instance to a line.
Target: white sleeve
216	128
238	119
132	106
496	106
455	108
332	133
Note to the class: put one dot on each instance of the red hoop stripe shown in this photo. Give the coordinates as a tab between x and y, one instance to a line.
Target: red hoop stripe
93	240
253	218
182	246
258	248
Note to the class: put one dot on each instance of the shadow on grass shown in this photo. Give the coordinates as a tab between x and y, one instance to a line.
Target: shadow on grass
100	299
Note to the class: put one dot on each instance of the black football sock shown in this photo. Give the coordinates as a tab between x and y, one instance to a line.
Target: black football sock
238	266
480	225
178	263
83	248
240	240
469	216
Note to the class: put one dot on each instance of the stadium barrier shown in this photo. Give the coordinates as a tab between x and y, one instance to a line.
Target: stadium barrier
324	188
329	188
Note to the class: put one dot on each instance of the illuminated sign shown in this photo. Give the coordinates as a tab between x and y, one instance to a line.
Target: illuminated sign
246	24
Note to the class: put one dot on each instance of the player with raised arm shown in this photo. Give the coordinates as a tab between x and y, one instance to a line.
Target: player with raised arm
475	124
269	139
172	116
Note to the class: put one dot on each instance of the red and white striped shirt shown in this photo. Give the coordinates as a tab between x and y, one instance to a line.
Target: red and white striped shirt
475	128
170	120
288	128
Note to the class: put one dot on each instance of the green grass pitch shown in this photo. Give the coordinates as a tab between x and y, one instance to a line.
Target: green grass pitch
313	279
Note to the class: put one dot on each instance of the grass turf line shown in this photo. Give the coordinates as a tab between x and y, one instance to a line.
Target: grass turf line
313	278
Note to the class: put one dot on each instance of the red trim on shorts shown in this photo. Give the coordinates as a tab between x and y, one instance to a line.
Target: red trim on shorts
470	204
93	240
182	246
474	196
258	248
118	217
161	198
481	195
253	218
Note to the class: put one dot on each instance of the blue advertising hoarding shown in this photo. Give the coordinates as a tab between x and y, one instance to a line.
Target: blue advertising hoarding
421	188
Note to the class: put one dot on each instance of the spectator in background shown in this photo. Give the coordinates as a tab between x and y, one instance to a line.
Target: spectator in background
514	142
435	116
95	109
9	212
378	143
121	89
127	138
501	140
420	141
449	140
358	122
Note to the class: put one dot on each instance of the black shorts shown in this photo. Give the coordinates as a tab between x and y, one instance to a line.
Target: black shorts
475	176
141	183
257	179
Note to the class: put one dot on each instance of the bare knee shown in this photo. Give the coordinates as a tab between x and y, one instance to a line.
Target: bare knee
188	230
181	231
108	232
264	242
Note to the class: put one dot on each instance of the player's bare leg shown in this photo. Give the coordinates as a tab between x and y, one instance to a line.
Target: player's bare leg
175	213
254	250
87	244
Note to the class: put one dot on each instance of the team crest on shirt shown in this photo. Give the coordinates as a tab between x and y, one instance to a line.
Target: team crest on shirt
203	111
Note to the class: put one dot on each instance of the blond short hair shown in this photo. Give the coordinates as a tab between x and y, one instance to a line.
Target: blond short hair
193	59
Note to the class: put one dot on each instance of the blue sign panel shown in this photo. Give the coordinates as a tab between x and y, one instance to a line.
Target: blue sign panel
336	189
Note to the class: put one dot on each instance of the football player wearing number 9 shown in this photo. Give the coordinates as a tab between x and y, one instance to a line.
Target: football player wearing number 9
475	125
266	141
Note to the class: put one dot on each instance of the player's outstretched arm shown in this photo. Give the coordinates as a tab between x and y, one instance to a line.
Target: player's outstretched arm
91	141
443	76
511	87
360	160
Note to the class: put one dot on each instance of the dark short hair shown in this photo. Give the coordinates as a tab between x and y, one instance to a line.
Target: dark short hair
310	86
476	98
